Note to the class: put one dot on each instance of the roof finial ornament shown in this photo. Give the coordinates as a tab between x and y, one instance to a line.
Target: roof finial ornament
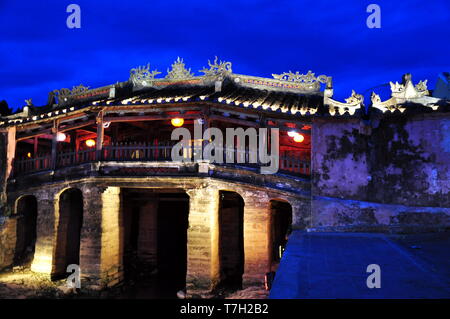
407	90
217	68
179	70
404	92
29	102
141	75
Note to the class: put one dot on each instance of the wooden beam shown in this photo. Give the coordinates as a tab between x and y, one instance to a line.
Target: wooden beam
149	118
49	130
287	129
140	125
233	120
76	125
26	137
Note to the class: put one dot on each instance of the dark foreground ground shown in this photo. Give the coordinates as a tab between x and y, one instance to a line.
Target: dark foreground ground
333	265
21	283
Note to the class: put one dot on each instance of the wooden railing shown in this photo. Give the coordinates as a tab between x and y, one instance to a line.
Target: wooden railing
40	163
73	158
137	152
290	161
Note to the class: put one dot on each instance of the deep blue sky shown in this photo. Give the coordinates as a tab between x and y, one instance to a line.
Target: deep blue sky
38	53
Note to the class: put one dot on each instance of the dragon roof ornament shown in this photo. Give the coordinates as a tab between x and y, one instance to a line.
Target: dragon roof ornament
75	91
352	103
141	76
217	68
308	80
179	70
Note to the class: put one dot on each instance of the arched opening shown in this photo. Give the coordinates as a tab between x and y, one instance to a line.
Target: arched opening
26	211
155	224
281	223
231	240
69	231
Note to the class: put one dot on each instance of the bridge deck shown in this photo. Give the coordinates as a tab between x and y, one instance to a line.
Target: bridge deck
333	265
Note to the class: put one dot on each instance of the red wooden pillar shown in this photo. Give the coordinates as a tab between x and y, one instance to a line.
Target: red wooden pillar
54	145
77	146
35	150
206	125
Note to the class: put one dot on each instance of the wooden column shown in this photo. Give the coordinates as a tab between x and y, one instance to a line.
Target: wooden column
206	124
35	151
100	135
54	144
10	149
35	146
76	145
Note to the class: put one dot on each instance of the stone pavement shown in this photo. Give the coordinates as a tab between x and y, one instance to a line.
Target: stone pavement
333	265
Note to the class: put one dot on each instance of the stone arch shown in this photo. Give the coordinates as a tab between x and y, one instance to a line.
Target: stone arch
281	218
69	217
26	214
301	209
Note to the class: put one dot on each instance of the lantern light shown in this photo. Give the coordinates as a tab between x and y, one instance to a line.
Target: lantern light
177	122
90	143
60	137
299	138
29	155
292	133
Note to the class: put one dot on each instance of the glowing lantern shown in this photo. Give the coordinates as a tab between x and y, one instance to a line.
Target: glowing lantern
292	133
29	155
90	143
299	138
60	137
177	122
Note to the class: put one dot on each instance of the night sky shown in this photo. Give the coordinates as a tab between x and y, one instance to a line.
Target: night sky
38	53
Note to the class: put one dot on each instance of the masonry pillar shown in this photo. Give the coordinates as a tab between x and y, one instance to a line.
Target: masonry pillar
100	248
47	215
256	237
8	240
203	270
